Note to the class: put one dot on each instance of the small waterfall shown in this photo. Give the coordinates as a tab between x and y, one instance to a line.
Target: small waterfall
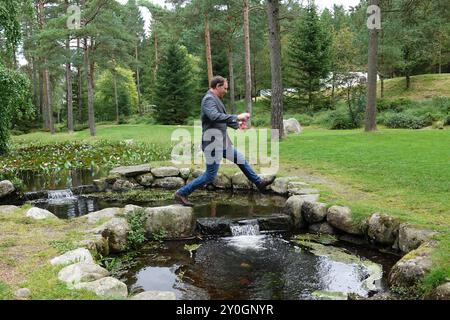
249	228
60	195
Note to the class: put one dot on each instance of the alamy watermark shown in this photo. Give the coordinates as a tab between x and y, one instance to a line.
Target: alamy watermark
74	19
374	19
256	143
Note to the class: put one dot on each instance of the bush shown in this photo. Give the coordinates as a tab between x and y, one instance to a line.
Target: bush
404	120
340	120
447	120
397	105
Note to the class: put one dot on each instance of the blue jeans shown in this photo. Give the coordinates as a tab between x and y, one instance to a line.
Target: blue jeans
211	172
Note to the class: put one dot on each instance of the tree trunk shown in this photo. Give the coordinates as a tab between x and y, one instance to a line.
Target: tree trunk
371	108
155	70
43	83
231	78
69	97
138	82
208	50
248	70
333	86
49	101
44	101
90	88
35	77
275	67
115	96
80	92
408	80
382	85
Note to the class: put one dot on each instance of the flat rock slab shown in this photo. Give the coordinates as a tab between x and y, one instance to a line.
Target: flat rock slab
163	172
131	171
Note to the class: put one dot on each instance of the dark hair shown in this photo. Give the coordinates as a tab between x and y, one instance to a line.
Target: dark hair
217	81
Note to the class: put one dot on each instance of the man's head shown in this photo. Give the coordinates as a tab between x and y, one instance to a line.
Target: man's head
219	86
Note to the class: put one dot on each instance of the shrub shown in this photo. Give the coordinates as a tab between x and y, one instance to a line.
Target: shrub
340	119
397	105
404	120
136	235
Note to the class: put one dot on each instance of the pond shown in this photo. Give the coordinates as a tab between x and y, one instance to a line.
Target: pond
249	265
253	267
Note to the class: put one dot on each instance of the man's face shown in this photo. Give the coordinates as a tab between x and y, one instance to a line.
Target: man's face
222	89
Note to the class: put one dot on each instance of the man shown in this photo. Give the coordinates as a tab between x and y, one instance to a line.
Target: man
215	141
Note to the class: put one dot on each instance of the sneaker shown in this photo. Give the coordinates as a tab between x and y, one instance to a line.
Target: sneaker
262	186
182	200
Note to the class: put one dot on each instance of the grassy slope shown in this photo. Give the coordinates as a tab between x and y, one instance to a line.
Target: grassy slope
424	86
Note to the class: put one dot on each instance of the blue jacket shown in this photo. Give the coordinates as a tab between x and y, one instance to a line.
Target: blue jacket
214	116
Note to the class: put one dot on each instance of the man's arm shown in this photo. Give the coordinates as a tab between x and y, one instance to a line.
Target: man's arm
210	110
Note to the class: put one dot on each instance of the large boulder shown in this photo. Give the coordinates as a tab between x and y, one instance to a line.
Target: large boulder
442	292
116	231
185	173
101	185
222	181
6	188
275	222
241	182
163	172
40	214
82	272
341	218
105	287
410	238
131	171
74	256
314	212
168	183
293	208
214	226
96	244
125	185
155	295
413	267
175	220
130	208
280	185
8	209
103	214
382	229
145	180
322	228
291	125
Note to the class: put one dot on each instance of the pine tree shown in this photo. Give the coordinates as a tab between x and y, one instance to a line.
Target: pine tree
310	57
174	91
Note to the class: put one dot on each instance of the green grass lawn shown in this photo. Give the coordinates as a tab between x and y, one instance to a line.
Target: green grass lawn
406	172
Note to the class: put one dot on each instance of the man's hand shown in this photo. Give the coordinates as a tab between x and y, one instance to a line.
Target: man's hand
242	125
244	116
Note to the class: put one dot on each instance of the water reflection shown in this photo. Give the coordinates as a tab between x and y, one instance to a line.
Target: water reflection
63	179
243	267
